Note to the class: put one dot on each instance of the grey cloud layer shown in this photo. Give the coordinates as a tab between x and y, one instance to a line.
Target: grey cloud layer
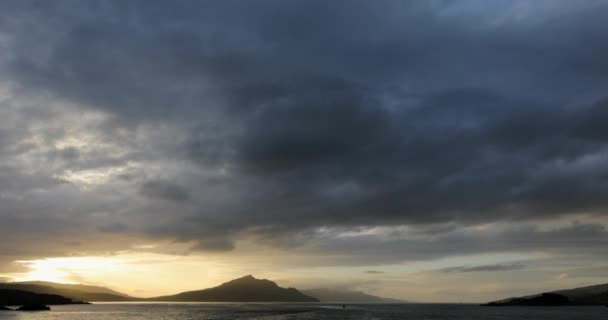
486	268
279	117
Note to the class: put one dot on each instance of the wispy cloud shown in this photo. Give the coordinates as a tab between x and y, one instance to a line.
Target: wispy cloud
374	271
485	268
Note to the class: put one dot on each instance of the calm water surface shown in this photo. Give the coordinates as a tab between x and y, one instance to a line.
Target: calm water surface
204	311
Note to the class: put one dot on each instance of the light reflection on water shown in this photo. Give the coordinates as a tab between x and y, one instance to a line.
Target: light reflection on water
208	311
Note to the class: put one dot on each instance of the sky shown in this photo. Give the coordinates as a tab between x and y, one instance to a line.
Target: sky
450	151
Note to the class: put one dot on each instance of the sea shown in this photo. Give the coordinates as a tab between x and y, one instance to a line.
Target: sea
225	311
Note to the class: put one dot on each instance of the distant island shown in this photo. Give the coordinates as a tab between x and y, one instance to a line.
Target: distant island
245	289
584	296
349	296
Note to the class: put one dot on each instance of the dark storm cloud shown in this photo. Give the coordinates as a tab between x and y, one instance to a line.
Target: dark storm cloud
214	244
573	241
164	190
67	154
279	117
113	228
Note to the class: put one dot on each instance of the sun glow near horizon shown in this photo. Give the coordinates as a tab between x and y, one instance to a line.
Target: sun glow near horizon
135	274
65	270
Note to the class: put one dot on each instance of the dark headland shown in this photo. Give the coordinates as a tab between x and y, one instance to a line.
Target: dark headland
34	307
18	297
30	301
585	296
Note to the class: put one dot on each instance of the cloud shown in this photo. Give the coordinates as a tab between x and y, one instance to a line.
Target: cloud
374	272
116	227
214	123
486	268
394	246
164	190
214	244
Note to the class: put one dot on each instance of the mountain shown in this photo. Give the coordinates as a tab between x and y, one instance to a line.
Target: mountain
245	289
10	297
591	295
332	295
73	291
76	287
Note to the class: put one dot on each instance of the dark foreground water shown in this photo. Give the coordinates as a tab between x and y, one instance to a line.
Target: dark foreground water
203	311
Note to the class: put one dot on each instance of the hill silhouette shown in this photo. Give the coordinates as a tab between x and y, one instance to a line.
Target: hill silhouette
591	295
333	295
245	289
72	291
10	297
75	287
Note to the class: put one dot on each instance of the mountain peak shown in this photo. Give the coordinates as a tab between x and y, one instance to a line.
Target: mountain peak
246	279
250	280
244	289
